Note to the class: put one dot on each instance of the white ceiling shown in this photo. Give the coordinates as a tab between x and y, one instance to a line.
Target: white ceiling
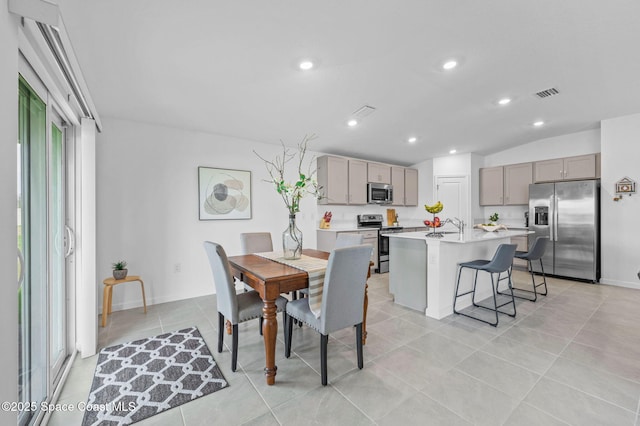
230	67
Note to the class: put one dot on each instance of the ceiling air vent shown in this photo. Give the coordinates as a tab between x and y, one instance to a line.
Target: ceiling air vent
548	92
363	111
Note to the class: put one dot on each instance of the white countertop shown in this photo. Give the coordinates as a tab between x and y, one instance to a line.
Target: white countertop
472	236
342	229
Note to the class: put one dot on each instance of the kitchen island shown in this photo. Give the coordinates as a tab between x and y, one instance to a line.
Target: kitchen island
423	270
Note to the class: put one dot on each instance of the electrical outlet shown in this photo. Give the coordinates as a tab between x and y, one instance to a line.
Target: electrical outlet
177	268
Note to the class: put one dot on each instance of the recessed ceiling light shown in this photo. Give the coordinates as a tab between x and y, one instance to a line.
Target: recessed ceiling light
504	101
352	123
412	139
306	65
453	151
449	65
538	123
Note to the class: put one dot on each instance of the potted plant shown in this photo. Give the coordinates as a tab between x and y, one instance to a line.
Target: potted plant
119	269
494	219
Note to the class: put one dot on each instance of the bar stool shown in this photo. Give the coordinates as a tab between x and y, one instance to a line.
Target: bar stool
501	263
535	253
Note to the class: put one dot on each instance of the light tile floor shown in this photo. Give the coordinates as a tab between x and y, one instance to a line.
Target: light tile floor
570	358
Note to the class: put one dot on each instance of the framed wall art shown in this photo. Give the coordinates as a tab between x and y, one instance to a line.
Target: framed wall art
224	193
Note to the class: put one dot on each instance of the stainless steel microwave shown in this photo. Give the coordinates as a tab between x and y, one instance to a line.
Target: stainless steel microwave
379	193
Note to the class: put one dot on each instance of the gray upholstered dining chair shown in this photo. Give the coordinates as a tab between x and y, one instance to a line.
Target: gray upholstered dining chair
237	308
255	242
342	302
345	240
342	240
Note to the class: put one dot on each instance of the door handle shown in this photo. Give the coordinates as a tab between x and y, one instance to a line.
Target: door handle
21	260
69	241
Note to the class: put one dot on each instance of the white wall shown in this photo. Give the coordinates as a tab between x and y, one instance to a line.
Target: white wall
621	219
580	143
8	213
148	206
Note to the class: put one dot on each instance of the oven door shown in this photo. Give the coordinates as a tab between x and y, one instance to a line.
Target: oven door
383	253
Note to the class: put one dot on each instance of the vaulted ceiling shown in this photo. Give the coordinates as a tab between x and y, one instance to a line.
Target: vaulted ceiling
231	68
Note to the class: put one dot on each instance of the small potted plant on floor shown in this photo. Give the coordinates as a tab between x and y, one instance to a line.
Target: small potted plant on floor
119	269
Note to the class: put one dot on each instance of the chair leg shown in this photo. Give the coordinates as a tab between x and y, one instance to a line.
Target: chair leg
533	282
261	321
324	340
473	295
220	331
359	345
455	295
495	300
288	335
234	348
544	279
513	300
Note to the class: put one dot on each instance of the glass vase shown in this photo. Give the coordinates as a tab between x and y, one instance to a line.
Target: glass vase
292	240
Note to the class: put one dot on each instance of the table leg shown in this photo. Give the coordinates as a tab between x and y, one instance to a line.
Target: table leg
105	305
110	299
144	299
270	331
364	316
228	327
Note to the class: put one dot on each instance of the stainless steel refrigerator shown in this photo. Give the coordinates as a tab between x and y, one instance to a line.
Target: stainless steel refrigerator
567	213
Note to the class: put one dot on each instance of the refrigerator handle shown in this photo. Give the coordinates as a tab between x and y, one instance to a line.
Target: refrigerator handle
555	218
551	218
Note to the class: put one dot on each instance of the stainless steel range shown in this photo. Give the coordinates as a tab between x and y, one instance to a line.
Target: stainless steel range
374	221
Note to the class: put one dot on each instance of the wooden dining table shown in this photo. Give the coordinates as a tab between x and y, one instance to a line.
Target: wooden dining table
270	279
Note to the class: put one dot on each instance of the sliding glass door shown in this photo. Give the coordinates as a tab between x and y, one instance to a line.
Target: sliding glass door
41	243
57	252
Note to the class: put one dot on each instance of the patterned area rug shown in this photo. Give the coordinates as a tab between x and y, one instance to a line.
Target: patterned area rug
139	379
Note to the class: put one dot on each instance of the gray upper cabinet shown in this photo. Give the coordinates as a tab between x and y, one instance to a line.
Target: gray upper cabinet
397	180
517	178
549	170
491	186
344	181
570	168
410	187
379	173
357	182
582	167
333	173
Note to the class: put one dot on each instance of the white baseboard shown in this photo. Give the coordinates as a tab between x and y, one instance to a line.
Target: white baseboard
619	283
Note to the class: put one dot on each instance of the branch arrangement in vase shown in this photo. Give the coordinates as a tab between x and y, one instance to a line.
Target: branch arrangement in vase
306	184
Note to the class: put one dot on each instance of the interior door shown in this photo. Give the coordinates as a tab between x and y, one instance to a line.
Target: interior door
452	192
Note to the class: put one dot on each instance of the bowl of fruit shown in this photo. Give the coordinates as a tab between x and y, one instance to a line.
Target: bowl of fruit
435	223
